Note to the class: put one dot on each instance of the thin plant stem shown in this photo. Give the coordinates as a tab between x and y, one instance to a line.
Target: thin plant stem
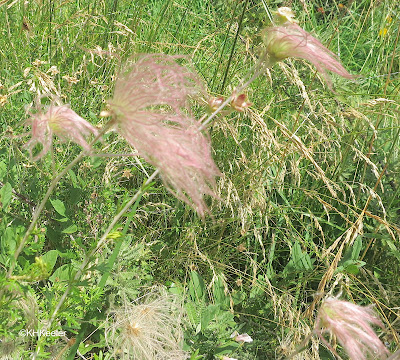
39	209
42	204
104	238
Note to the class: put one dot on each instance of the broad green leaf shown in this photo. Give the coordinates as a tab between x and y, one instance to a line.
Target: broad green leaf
228	348
192	313
207	315
297	255
306	261
63	273
196	286
238	297
70	229
50	259
73	178
58	206
219	293
356	248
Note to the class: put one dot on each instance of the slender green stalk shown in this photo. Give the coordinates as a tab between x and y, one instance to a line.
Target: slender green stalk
234	46
39	209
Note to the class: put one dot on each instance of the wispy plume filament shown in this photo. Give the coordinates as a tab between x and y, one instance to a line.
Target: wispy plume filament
151	111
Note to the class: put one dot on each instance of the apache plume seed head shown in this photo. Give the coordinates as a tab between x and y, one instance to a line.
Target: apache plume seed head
150	108
60	121
351	324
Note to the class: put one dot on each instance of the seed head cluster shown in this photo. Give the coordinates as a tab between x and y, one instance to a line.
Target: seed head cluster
62	121
149	330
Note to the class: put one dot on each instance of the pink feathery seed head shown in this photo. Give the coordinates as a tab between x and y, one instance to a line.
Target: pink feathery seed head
151	110
351	324
290	40
60	121
154	80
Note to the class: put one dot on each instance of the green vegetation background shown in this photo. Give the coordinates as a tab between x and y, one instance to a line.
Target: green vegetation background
309	196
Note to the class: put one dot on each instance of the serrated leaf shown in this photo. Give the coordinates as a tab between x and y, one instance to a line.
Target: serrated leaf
191	311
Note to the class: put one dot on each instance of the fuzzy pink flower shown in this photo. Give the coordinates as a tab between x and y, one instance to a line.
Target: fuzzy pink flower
60	121
290	40
350	323
150	106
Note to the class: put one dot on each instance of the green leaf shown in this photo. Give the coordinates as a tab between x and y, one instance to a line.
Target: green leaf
70	229
192	313
207	315
228	348
297	254
6	195
219	293
50	259
3	170
196	286
58	206
63	273
8	241
238	297
96	161
73	178
352	269
356	248
301	260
